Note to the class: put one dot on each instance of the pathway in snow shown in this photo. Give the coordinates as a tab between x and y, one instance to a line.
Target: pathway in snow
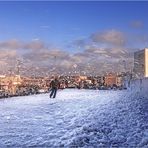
74	118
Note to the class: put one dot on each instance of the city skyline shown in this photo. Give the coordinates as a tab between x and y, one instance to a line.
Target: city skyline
71	36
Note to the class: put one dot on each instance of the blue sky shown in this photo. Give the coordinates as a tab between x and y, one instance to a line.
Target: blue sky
60	23
83	33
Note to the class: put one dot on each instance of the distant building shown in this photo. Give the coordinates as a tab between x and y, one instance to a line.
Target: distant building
10	83
112	79
141	63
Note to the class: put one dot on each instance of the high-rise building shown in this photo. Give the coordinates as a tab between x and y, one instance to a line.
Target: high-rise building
141	63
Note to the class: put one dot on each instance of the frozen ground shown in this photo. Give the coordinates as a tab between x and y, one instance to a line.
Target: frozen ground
80	118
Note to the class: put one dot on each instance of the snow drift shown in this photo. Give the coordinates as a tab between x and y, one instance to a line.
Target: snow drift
76	118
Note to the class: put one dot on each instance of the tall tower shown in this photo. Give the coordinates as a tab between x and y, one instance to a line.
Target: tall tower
141	63
18	66
146	62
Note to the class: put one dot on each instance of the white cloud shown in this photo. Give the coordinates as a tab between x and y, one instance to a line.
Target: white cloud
136	24
113	37
10	44
37	54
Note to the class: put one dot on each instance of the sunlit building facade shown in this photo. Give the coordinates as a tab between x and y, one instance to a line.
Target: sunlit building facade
141	63
113	79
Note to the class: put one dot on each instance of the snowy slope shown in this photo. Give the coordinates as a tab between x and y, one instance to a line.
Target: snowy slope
80	118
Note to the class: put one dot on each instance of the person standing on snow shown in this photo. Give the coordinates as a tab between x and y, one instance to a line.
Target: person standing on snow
54	85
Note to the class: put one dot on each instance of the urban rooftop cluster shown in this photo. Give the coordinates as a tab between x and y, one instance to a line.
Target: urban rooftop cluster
16	85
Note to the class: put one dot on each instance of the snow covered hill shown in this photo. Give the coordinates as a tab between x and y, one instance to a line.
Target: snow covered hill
76	118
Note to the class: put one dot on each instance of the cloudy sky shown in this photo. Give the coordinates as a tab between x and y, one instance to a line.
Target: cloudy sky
43	37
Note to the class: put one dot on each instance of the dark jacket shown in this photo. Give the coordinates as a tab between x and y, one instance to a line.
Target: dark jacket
54	83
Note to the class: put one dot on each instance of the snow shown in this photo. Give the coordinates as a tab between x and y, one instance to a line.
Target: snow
140	85
76	118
